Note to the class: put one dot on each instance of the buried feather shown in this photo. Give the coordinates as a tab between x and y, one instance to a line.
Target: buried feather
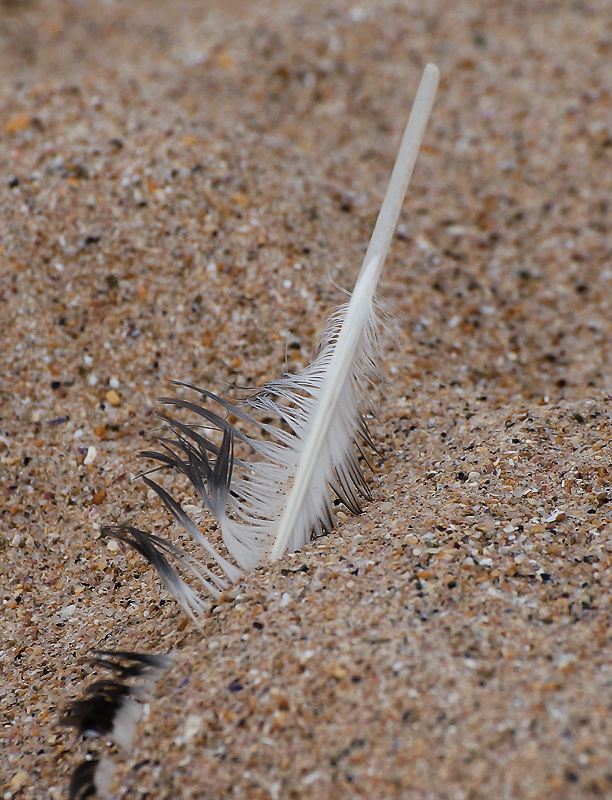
83	781
277	496
110	708
92	778
97	713
94	714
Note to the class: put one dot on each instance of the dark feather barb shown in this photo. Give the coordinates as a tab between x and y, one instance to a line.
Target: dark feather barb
154	549
185	433
82	782
190	432
219	422
201	411
137	663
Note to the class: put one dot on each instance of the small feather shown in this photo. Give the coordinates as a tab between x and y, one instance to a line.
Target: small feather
109	708
96	712
94	715
82	782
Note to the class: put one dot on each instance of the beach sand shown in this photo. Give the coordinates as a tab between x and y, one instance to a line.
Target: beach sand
185	189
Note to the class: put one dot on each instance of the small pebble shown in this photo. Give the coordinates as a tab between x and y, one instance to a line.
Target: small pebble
113	398
68	611
92	452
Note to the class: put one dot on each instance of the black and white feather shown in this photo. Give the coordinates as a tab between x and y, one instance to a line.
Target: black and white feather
109	705
110	709
83	780
275	493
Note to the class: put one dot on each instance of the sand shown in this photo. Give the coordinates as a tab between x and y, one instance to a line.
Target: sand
185	188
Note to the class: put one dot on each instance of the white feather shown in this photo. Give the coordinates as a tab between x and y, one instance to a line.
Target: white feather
277	501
